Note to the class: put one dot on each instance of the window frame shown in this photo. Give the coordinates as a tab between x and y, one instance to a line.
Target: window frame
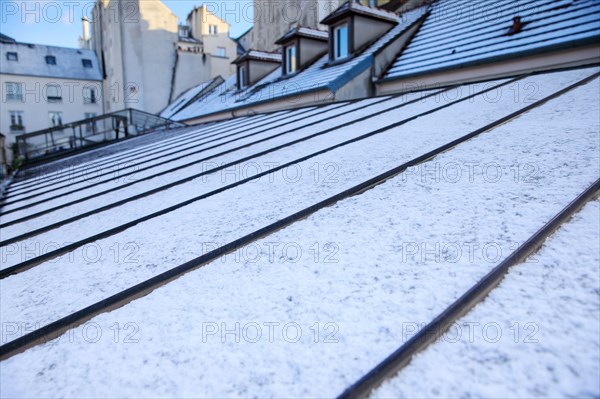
60	118
213	29
92	98
53	99
87	63
15	96
10	54
50	58
289	66
221	53
18	118
336	41
242	76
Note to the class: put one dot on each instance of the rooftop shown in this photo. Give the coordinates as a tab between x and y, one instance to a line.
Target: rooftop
459	34
207	257
31	61
319	76
352	7
304	32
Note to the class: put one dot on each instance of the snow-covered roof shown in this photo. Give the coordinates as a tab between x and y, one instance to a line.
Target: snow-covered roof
318	76
32	62
304	32
259	56
352	7
192	94
459	33
286	254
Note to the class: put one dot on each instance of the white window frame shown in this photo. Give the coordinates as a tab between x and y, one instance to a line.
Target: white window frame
243	74
213	29
337	55
90	127
53	93
90	96
221	52
53	121
291	67
13	91
16	118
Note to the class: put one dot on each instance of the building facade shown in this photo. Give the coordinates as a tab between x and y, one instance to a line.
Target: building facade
45	86
149	59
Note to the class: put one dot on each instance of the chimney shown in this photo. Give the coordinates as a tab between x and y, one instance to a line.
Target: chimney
516	27
86	28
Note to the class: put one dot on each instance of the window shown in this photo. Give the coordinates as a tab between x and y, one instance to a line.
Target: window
50	60
213	30
242	77
340	42
55	118
10	56
290	60
221	52
89	95
53	93
86	63
90	128
16	120
14	91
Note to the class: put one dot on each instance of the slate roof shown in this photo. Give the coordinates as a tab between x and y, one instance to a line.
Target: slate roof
302	31
461	33
32	62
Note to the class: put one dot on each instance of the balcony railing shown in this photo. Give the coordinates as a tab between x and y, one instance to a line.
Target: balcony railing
87	133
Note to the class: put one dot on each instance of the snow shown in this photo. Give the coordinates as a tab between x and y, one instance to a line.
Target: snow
456	34
32	62
538	333
318	76
362	280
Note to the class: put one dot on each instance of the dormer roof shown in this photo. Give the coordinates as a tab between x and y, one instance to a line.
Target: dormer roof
258	56
301	31
354	8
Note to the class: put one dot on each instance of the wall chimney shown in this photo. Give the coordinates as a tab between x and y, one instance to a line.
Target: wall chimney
86	28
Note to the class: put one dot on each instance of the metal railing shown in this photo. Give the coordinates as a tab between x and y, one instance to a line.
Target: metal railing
61	140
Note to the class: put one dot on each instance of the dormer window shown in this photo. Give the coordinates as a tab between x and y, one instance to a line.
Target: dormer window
301	47
354	26
254	65
11	56
50	60
291	61
340	42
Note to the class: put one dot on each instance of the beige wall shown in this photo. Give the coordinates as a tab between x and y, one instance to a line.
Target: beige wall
273	19
36	108
144	68
137	39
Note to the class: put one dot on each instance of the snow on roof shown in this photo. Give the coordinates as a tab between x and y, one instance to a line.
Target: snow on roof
304	32
318	76
32	62
358	8
434	224
457	34
259	56
189	95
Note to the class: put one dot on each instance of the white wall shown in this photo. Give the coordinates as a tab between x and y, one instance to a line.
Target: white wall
35	106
